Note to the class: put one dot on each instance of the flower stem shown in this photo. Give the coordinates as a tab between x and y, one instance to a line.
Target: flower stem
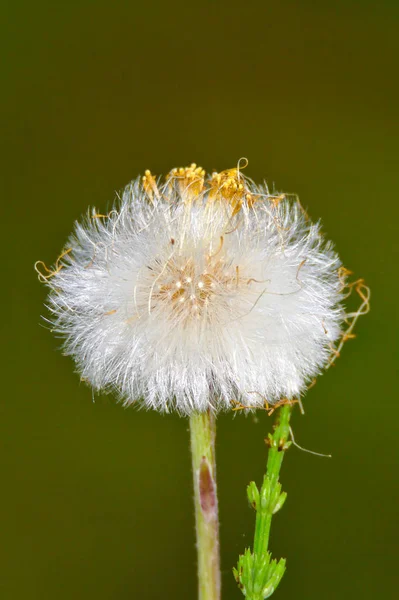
257	574
203	431
278	442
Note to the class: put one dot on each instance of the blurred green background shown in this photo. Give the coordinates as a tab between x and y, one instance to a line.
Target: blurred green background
96	500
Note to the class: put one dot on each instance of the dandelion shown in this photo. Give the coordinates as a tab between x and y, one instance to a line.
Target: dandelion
196	293
199	294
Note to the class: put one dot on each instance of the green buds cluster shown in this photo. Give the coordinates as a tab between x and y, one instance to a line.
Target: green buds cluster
258	581
257	574
268	500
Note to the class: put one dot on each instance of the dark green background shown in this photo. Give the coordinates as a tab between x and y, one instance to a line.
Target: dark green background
96	501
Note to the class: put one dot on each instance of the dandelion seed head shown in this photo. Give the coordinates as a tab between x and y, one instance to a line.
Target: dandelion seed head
197	292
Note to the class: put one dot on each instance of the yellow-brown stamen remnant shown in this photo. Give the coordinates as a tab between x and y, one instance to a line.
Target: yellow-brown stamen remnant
276	199
101	216
269	408
363	292
343	273
48	273
312	383
190	180
189	287
230	185
150	185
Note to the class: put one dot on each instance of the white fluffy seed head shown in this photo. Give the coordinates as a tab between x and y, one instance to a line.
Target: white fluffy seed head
198	293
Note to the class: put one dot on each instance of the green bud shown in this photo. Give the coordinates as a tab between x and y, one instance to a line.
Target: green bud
278	572
268	591
261	572
265	494
253	495
280	502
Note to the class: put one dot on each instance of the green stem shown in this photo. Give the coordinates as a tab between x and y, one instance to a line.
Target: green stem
278	442
203	431
257	574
